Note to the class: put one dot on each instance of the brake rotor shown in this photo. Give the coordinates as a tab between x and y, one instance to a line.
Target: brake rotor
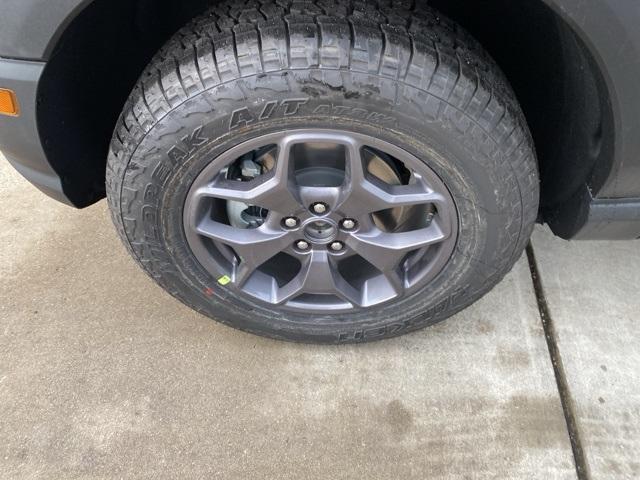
385	170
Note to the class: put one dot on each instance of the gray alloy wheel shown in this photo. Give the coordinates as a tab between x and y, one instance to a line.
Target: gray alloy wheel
327	233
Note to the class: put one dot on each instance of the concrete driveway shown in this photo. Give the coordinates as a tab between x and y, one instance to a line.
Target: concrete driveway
103	375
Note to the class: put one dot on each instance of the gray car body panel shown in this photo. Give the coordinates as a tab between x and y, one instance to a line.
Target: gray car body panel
611	31
19	139
30	29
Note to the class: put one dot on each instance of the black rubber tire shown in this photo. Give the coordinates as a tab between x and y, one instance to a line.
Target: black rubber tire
398	72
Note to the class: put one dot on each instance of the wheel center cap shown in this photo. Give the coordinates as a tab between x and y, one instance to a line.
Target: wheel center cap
320	231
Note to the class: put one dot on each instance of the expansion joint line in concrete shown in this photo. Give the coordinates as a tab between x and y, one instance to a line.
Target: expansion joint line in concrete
568	405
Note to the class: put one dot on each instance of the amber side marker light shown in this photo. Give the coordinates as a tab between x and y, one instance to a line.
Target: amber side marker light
8	103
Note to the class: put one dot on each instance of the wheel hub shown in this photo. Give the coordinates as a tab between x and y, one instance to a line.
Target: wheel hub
320	231
378	227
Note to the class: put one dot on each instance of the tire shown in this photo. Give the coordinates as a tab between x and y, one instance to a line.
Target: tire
405	76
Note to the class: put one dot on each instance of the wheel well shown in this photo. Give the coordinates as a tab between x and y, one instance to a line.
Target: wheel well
560	89
88	78
98	59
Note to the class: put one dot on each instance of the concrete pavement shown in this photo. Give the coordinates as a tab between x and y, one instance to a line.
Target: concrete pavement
103	375
593	293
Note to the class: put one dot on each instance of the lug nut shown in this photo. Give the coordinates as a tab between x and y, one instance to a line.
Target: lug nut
336	246
348	224
302	245
319	208
291	222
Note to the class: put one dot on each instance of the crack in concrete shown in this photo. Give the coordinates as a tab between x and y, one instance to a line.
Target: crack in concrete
568	406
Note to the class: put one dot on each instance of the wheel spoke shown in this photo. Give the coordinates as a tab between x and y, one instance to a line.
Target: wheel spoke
274	191
385	250
318	275
254	246
372	195
383	287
